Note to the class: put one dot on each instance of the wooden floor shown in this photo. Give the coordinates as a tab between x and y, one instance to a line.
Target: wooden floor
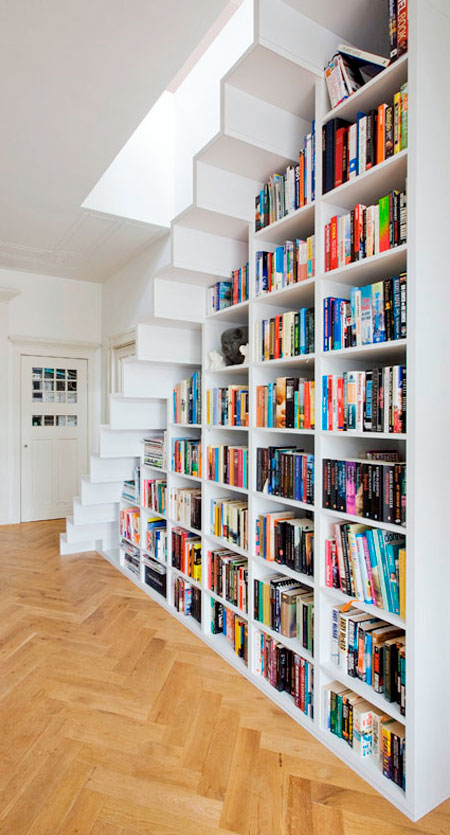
116	720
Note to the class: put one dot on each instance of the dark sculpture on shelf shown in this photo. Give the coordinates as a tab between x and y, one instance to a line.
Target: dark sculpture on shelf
231	341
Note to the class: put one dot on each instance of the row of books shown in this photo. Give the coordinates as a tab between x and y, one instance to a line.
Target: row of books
349	149
187	599
375	313
156	539
131	558
187	553
289	264
285	471
155	576
155	452
286	671
375	490
226	293
227	576
234	628
284	193
365	401
187	456
366	231
185	506
349	69
187	400
229	521
286	606
228	465
131	489
289	334
129	524
366	730
398	28
285	539
367	564
154	494
287	403
227	406
365	647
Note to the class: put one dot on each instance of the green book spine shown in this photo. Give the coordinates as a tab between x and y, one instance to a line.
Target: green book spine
383	205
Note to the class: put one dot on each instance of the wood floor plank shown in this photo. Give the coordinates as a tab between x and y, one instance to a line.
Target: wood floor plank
117	720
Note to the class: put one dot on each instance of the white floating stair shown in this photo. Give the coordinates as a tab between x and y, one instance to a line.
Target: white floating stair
111	469
91	532
100	492
141	375
85	514
66	547
134	412
117	443
198	257
165	346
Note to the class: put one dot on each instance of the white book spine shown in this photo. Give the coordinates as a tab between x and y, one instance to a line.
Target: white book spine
362	144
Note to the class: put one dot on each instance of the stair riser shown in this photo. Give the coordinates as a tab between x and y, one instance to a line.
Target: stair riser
89	514
101	492
135	415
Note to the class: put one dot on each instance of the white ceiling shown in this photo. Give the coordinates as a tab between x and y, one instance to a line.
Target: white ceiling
78	76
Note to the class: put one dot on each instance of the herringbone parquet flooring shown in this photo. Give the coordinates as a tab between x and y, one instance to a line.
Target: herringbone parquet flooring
116	720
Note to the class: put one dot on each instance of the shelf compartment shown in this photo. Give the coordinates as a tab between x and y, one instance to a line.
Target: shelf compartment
223	486
361	520
226	428
368	270
237	313
178	524
155	512
293	502
196	478
375	92
285	701
341	599
226	651
185	577
291	643
289	295
284	431
186	425
381	436
284	569
395	349
301	359
228	369
237	611
370	185
229	545
295	224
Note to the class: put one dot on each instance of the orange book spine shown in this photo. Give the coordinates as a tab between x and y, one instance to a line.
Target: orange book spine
380	132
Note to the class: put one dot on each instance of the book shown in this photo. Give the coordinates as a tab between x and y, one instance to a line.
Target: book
187	400
373	314
227	465
287	192
347	401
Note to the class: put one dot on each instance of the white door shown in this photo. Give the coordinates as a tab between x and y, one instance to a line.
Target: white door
54	435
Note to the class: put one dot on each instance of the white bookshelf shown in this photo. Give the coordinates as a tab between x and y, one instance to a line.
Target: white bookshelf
425	351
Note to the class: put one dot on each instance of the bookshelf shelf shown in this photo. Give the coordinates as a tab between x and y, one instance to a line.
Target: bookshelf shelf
381	436
338	597
283	569
177	524
395	349
282	500
228	369
227	604
283	430
220	426
186	425
372	523
379	89
185	475
221	644
300	293
295	224
364	690
290	643
360	273
237	313
302	359
226	544
185	577
368	187
224	486
152	512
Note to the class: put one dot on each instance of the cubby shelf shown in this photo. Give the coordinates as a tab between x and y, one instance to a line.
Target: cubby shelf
291	643
339	598
294	224
367	187
368	270
227	604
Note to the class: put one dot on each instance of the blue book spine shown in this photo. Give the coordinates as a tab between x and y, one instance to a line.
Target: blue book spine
368	658
326	312
391	553
313	156
384	564
396	305
337	340
324	402
303	330
298	478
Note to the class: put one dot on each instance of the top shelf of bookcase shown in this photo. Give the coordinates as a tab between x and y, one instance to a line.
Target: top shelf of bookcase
380	88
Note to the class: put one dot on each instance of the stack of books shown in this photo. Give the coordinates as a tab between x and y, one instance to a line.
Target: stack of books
287	403
132	558
155	452
187	599
229	521
154	494
155	576
284	193
374	489
227	406
227	576
286	606
228	465
367	648
187	456
285	471
187	553
367	564
285	539
156	539
289	264
349	149
376	313
185	506
366	231
187	400
365	401
227	293
286	335
234	628
129	524
285	670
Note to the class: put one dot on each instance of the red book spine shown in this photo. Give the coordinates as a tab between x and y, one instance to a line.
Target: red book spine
333	243
330	402
277	337
301	177
340	402
304	468
339	158
327	247
307	417
402	27
357	231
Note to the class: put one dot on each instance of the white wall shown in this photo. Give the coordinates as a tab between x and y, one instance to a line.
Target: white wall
50	308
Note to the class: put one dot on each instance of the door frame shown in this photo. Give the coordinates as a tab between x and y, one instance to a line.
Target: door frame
70	348
119	340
